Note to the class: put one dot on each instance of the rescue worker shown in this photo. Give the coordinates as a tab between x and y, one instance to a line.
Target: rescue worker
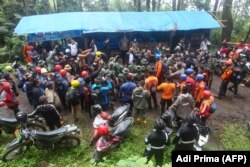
157	141
183	105
235	79
167	89
151	84
140	101
190	82
73	100
48	112
158	67
225	78
199	88
8	97
102	87
187	135
126	91
204	111
181	84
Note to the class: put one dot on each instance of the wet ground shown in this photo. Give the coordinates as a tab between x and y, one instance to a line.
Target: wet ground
230	109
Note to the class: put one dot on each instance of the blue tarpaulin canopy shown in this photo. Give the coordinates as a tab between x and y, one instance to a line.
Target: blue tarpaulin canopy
65	25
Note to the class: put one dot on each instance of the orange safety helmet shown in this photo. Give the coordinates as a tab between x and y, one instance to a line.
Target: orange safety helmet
63	72
206	94
85	74
57	67
38	70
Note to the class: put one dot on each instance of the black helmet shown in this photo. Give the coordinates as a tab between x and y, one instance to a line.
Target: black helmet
17	58
21	116
159	124
97	108
191	118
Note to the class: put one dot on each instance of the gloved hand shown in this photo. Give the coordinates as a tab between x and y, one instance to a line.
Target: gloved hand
2	103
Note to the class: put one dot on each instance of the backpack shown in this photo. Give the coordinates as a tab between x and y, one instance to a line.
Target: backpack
72	97
213	107
59	85
96	96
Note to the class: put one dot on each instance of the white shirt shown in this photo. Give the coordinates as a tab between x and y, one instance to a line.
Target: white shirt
204	45
73	49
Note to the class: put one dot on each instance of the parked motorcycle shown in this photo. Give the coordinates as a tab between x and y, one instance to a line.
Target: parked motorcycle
11	125
113	139
101	118
204	131
66	136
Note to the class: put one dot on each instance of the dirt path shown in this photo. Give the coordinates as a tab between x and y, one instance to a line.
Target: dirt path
230	109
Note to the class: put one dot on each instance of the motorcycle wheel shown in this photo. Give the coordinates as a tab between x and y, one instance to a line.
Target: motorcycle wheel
36	126
70	141
96	155
15	152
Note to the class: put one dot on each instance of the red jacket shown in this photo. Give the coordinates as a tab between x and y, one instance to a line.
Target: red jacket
9	98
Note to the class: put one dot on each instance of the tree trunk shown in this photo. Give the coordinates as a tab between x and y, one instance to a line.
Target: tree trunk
180	5
153	5
139	5
25	8
55	6
135	2
173	5
247	36
148	5
227	16
159	5
215	6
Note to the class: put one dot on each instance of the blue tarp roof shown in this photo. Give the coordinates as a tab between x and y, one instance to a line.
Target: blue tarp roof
90	22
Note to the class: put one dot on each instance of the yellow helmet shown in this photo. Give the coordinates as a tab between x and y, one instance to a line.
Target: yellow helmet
8	68
98	54
75	83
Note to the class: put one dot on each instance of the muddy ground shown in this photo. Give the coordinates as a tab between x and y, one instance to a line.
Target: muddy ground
230	109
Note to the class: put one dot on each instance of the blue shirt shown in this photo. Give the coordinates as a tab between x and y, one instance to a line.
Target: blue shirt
127	90
103	91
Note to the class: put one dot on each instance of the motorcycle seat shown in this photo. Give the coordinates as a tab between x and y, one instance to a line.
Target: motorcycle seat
52	133
9	120
123	127
116	114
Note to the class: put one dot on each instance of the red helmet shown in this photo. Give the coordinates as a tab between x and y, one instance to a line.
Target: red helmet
85	74
38	70
6	86
103	130
57	67
63	72
206	94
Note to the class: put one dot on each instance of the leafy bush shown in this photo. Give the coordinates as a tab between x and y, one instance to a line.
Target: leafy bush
235	137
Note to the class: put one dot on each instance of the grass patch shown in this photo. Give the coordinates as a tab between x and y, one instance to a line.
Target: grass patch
235	137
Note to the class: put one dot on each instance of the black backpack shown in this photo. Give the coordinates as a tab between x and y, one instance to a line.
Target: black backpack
96	96
72	97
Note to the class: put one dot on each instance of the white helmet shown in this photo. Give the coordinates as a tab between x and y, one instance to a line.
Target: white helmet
44	70
67	50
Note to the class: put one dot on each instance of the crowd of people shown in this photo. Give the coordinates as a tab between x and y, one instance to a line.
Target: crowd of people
68	78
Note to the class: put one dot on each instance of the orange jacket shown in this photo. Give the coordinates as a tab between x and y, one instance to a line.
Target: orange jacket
227	73
149	81
27	56
167	90
205	107
199	88
158	69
